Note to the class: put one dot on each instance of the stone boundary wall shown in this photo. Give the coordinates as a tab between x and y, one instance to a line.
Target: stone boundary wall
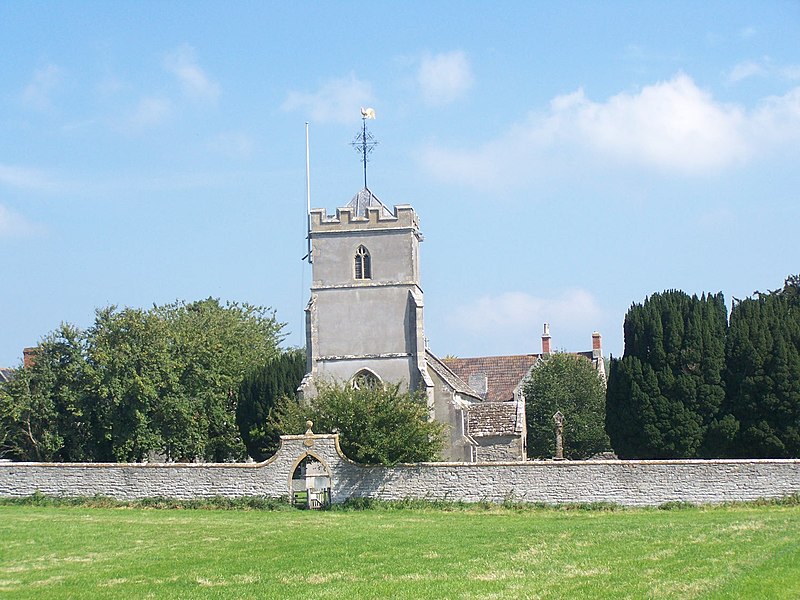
629	483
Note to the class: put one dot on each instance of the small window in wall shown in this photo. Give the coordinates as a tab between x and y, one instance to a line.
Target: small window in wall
363	264
366	379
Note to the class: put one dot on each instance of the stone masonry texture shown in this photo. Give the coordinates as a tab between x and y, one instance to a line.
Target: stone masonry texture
629	483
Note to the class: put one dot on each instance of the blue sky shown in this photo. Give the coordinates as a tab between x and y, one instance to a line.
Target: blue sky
566	159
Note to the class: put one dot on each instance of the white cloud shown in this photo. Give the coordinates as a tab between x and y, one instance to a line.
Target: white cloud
444	78
672	126
37	93
776	120
15	225
195	83
519	315
338	100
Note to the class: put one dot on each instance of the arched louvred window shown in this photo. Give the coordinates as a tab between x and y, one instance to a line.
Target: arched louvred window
363	264
366	379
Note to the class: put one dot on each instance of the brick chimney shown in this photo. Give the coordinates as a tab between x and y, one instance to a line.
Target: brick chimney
546	339
597	345
29	357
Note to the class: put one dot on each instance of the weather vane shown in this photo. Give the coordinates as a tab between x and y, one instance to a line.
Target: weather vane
364	143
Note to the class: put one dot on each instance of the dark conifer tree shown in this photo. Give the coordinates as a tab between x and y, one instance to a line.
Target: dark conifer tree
763	375
665	393
258	395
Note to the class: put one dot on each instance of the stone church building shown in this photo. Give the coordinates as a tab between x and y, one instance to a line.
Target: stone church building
364	325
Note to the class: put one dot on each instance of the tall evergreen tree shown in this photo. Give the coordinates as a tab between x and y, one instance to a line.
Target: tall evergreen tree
664	395
259	394
763	374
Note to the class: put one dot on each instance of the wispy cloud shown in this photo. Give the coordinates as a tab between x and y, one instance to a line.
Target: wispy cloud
337	100
150	111
444	78
196	84
37	94
748	32
745	70
27	178
516	317
671	126
763	68
15	225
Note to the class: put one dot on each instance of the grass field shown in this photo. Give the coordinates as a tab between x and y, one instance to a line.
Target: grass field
79	552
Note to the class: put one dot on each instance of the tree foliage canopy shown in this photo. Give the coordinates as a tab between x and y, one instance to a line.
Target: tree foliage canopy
138	382
690	384
377	425
570	384
259	395
665	394
763	374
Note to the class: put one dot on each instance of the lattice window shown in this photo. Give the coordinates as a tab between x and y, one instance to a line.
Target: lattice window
363	264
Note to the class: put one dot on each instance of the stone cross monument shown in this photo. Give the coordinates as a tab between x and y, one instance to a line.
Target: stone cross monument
559	419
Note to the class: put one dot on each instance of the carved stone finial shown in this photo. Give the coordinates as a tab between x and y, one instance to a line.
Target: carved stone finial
309	441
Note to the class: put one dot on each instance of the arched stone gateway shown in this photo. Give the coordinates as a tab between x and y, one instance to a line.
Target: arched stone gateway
310	483
310	476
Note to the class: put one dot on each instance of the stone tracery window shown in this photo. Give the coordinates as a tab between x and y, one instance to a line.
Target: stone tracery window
365	379
363	264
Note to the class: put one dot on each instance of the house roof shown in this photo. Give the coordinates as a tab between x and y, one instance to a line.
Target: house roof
499	375
453	380
494	419
6	374
365	198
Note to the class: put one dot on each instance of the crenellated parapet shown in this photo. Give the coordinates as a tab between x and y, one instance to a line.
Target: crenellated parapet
403	217
364	212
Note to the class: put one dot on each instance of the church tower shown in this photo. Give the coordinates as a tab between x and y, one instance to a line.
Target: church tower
364	319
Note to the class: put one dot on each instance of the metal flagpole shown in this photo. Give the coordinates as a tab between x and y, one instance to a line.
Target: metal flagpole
308	198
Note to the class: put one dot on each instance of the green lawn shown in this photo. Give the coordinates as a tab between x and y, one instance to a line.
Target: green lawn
76	552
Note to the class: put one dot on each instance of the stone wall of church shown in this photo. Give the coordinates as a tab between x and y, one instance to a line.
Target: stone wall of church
631	483
499	449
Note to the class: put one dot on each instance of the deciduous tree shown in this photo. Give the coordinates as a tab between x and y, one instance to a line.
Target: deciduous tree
140	383
570	384
377	425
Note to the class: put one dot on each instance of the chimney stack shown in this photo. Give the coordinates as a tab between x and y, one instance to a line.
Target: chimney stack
546	340
28	357
597	345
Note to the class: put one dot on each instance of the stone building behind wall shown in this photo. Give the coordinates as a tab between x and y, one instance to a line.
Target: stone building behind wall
364	325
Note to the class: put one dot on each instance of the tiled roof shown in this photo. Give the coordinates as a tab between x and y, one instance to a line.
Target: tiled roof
502	373
6	375
494	419
453	380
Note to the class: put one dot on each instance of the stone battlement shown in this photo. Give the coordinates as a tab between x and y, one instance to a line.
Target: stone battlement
377	217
